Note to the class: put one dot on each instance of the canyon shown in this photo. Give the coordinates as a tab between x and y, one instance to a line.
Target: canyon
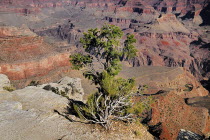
169	33
37	37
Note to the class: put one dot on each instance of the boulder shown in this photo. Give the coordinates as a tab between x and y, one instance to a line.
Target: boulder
70	87
29	113
40	99
188	135
18	122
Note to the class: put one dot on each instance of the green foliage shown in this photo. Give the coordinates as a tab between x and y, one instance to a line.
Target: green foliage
129	49
115	87
141	106
113	92
79	60
9	88
113	100
103	45
76	108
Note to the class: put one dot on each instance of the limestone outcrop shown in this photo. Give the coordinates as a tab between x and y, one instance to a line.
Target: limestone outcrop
36	114
70	87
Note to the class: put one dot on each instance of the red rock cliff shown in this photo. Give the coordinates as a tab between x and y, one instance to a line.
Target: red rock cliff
24	55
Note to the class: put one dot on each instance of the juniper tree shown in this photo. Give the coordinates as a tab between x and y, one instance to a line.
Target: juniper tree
104	50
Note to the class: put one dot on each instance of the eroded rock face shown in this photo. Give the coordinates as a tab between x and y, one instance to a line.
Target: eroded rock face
174	114
170	109
30	6
65	32
24	55
168	34
6	31
165	30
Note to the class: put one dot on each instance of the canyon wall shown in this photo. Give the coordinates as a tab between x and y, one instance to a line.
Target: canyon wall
169	33
26	56
170	87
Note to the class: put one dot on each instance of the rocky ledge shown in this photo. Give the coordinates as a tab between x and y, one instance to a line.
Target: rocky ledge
37	114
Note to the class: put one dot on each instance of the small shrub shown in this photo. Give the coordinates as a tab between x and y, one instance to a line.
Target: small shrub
34	83
189	87
142	89
137	133
56	90
141	106
47	87
9	88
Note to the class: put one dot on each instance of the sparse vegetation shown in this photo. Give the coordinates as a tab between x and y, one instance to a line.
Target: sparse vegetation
142	89
189	87
101	65
56	90
9	88
34	83
137	133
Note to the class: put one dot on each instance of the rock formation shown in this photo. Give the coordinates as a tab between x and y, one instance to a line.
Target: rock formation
166	30
71	87
25	55
36	114
184	134
170	108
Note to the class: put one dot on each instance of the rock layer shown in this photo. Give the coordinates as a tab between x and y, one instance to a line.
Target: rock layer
165	30
25	55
